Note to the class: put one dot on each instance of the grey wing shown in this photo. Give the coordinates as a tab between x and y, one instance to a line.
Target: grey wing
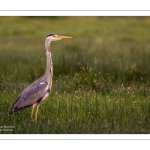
32	94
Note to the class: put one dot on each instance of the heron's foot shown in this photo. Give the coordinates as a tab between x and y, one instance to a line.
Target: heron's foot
35	120
32	120
48	121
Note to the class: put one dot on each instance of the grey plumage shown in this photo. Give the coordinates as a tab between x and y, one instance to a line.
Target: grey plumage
32	94
37	92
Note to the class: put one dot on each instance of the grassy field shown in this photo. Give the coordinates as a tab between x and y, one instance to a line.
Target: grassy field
101	78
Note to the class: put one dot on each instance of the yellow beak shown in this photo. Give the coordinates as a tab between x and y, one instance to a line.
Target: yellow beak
65	37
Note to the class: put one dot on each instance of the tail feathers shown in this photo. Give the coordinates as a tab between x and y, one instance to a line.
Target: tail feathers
15	108
11	110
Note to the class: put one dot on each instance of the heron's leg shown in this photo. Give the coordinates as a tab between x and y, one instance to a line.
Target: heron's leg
37	108
33	106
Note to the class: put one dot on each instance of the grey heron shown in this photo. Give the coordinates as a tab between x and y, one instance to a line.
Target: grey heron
37	92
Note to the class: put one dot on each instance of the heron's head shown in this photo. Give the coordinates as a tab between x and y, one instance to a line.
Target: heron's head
55	37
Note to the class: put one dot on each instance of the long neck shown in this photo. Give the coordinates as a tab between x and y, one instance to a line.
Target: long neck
49	66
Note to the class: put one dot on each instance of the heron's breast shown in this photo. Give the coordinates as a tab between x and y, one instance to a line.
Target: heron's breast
45	96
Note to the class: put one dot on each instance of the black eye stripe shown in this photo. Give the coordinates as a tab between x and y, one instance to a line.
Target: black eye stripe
51	34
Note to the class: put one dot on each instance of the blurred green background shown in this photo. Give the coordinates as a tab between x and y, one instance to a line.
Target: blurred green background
101	76
115	46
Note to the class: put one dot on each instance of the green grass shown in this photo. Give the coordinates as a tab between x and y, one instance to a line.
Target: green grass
101	76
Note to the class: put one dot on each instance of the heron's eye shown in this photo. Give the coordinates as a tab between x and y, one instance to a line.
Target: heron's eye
54	36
